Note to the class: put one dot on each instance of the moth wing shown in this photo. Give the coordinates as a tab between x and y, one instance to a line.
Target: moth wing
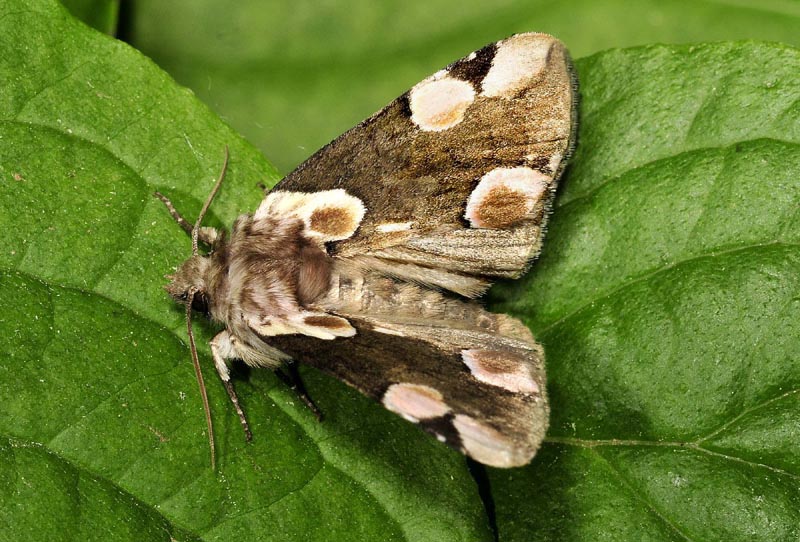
473	379
466	160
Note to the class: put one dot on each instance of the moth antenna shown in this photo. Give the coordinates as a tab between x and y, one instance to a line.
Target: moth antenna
207	204
199	374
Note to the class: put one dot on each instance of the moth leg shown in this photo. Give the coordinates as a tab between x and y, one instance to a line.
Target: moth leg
206	234
292	379
222	348
263	188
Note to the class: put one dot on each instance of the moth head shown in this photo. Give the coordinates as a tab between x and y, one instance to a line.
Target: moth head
191	278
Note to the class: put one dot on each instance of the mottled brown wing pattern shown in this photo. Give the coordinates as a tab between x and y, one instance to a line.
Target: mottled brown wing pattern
473	379
468	158
351	264
456	177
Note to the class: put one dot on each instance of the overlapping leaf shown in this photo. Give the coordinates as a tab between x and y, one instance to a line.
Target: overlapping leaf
668	300
100	14
101	427
291	75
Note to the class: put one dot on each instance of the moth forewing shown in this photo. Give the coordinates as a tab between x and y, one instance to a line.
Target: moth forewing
363	260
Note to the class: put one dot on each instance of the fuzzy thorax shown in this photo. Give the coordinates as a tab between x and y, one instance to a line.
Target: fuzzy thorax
265	278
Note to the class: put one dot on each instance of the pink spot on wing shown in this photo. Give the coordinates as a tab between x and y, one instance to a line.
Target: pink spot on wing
415	401
508	370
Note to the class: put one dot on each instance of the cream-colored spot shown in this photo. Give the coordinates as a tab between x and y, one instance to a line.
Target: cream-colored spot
415	402
439	102
271	328
391	227
518	60
502	369
505	196
280	203
329	215
555	161
332	215
487	445
324	327
441	438
388	331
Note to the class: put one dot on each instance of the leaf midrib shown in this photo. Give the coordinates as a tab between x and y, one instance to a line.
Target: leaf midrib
640	497
591	444
695	445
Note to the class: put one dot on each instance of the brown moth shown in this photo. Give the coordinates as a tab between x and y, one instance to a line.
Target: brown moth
365	261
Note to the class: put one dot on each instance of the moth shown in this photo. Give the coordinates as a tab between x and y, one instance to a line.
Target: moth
366	261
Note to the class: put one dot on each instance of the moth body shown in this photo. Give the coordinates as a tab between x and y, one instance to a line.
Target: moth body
365	261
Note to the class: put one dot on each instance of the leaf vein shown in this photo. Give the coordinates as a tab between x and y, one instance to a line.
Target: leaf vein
658	270
592	444
677	152
745	412
46	87
637	494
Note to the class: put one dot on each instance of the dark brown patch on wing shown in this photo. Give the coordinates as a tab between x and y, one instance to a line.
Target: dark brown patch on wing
498	362
473	71
330	322
332	221
373	361
404	105
442	427
402	173
539	163
502	207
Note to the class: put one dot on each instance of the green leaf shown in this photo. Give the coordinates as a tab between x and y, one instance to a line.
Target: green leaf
668	311
668	302
291	75
99	14
63	502
101	429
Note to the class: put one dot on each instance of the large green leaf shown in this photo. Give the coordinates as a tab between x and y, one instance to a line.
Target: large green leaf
668	301
101	428
293	75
